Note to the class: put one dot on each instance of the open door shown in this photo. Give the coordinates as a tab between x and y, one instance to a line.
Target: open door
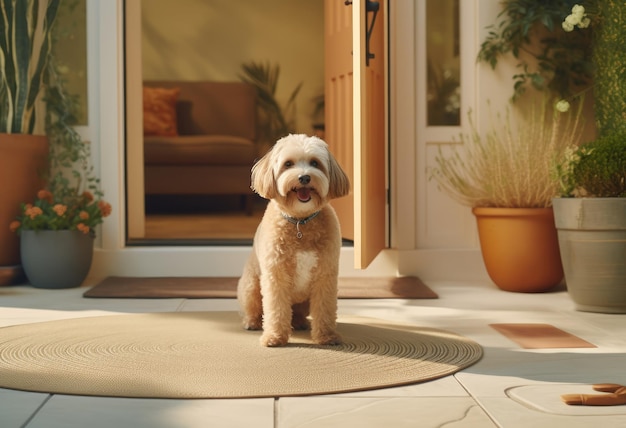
356	108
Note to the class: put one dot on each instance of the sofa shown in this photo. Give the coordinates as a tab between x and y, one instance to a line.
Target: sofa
199	138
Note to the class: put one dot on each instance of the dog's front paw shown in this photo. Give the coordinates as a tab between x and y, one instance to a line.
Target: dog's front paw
273	340
328	339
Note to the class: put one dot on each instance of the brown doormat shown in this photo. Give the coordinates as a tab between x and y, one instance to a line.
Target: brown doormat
210	355
407	287
540	336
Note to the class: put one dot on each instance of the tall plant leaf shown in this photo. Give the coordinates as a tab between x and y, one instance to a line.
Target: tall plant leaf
25	43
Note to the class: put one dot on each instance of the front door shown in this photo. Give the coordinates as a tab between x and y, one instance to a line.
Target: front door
356	58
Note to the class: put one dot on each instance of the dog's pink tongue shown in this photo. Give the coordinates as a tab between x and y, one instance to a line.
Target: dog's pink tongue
304	194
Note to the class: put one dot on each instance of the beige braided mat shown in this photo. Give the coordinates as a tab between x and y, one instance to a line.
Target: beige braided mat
209	355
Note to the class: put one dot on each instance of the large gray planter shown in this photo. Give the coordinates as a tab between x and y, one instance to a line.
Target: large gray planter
592	242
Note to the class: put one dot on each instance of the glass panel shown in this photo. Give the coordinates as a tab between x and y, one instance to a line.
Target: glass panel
442	47
70	51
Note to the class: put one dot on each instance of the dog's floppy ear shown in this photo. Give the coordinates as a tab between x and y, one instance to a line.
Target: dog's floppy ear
339	184
263	181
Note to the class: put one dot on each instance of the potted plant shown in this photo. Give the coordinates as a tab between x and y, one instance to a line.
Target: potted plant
25	43
591	221
591	214
505	176
56	230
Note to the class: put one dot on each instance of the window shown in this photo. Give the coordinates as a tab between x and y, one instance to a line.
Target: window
444	64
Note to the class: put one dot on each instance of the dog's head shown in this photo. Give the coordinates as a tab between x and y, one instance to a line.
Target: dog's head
300	174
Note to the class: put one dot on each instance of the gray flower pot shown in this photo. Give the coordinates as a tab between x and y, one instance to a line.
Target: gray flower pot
592	242
56	258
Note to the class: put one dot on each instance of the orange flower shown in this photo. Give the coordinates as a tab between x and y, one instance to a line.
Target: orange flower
14	225
60	209
84	215
33	212
88	195
45	195
105	208
83	228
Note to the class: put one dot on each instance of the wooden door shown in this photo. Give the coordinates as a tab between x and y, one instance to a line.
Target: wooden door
356	119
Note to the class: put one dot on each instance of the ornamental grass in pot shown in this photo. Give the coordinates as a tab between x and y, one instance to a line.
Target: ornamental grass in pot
505	175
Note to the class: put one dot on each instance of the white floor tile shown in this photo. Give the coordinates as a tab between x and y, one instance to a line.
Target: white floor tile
329	412
64	411
16	407
511	414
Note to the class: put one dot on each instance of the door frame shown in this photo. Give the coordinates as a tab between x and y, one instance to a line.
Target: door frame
114	257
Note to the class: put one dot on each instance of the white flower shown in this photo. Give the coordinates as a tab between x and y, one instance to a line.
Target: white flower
584	23
576	18
578	10
573	19
562	106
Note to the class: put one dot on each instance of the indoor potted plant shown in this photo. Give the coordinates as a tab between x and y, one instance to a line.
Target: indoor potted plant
25	43
505	176
275	120
591	214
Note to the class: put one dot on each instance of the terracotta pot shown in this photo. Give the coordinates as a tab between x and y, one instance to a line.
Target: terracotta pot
520	248
23	159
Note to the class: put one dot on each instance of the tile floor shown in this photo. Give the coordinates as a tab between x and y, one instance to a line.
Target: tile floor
510	387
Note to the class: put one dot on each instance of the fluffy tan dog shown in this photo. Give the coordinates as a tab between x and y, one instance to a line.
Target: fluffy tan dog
292	271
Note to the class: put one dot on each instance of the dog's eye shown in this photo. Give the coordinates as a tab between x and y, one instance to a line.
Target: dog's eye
288	164
314	163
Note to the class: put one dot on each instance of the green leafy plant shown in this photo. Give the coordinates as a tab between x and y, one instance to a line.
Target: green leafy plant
510	167
275	120
25	44
597	169
549	58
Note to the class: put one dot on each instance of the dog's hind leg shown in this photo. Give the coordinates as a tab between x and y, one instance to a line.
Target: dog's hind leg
249	297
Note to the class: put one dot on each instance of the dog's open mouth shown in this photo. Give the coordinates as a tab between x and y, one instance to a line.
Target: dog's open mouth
303	194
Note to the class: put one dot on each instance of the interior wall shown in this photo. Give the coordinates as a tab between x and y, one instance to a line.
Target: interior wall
210	39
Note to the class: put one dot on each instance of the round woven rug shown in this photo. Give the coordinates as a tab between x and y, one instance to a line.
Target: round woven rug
209	355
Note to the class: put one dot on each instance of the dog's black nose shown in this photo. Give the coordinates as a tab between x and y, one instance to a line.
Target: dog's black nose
304	179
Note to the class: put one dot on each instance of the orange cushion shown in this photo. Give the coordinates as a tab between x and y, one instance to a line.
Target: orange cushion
159	111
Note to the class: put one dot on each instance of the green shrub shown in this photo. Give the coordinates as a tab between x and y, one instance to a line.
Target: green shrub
601	169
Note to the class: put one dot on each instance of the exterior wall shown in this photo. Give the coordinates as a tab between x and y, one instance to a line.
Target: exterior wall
432	236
